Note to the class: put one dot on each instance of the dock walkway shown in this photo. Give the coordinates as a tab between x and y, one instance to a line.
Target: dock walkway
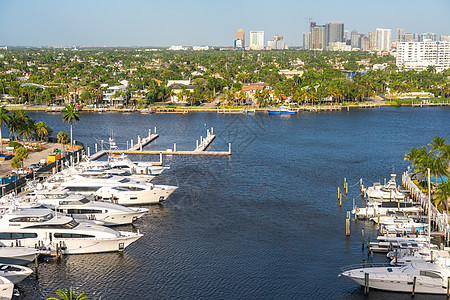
205	142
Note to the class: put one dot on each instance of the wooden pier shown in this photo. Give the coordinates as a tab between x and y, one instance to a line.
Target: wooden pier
205	142
137	149
319	108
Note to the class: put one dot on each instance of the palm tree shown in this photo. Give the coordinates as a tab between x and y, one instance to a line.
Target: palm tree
437	143
41	129
14	125
442	194
4	119
62	295
70	116
445	154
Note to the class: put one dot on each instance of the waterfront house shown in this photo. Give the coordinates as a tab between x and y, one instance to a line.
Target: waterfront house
115	95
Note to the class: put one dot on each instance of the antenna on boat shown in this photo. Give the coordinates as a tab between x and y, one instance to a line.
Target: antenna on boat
429	207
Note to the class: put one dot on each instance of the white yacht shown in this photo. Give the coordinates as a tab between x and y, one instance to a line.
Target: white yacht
426	278
387	191
114	189
40	227
383	208
6	288
81	208
122	162
15	273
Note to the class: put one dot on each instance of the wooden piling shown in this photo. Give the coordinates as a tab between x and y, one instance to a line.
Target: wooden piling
89	151
362	234
371	258
95	148
448	287
174	147
368	244
347	224
366	283
414	286
36	265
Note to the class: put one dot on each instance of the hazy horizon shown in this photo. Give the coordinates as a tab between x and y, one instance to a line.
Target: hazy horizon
140	23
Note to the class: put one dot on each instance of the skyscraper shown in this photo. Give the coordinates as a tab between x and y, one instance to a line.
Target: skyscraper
334	32
372	40
364	42
307	41
383	39
256	40
355	39
318	37
345	35
240	35
400	35
277	43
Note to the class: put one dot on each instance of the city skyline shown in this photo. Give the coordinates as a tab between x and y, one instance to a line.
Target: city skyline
151	23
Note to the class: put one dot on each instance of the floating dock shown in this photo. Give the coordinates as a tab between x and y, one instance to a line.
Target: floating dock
205	142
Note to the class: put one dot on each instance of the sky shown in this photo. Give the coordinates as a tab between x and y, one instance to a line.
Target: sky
203	22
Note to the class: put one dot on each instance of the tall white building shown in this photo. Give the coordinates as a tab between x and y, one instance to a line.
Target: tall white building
419	55
383	39
256	40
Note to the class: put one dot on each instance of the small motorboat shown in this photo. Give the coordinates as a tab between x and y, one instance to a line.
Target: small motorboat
281	110
15	273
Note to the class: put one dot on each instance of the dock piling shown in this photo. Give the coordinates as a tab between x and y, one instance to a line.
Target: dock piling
229	148
96	148
347	224
36	265
174	147
414	286
89	151
366	283
362	233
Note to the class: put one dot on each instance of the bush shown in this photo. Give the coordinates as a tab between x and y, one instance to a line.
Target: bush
14	144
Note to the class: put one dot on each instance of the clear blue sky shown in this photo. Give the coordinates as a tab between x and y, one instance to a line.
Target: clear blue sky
203	22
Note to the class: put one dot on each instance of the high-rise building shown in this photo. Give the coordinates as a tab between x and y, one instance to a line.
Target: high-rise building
307	41
256	40
240	35
238	44
318	37
334	32
400	35
277	43
427	36
355	39
383	39
410	37
372	40
345	35
364	42
445	38
419	55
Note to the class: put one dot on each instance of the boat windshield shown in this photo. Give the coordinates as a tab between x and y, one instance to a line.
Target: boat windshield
125	180
74	202
70	225
127	188
33	218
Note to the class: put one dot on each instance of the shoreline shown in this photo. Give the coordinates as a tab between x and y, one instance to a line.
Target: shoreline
225	110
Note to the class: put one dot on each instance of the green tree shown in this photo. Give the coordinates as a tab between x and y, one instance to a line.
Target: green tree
70	116
69	295
16	162
21	153
41	130
63	139
4	119
442	195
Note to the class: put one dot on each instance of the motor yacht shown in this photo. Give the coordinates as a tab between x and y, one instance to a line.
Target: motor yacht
39	227
114	189
123	162
282	110
15	273
81	208
429	278
384	208
387	191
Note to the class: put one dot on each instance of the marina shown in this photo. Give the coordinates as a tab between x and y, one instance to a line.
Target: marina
271	222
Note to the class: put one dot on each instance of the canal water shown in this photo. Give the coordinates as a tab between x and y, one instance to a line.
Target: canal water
262	224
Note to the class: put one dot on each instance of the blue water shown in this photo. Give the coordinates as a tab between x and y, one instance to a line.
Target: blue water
262	224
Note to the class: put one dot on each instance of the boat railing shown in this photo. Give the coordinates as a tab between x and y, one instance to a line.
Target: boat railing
366	265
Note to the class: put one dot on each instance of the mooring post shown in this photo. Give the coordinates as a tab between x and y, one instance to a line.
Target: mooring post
36	265
155	129
89	152
139	139
362	233
78	157
131	143
196	144
366	283
174	147
229	148
448	287
212	130
371	257
414	285
160	158
95	147
149	133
